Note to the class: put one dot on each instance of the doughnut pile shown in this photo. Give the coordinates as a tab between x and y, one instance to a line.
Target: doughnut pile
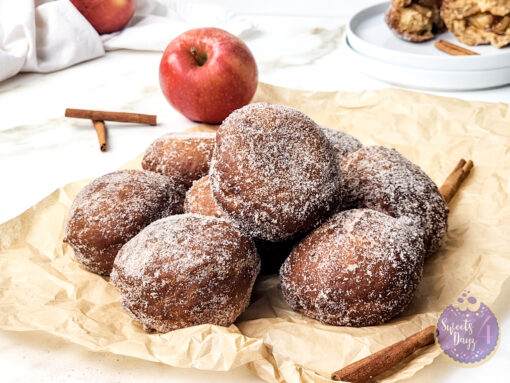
346	227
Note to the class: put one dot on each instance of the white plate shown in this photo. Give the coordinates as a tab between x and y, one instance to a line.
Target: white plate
369	35
426	78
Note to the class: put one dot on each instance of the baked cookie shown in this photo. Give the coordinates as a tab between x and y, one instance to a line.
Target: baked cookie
478	22
415	20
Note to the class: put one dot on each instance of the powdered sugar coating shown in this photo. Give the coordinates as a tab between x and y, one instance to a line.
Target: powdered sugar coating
273	171
186	270
112	209
185	157
360	268
379	178
342	143
199	200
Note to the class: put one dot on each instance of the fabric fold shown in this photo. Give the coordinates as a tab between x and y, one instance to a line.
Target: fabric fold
45	36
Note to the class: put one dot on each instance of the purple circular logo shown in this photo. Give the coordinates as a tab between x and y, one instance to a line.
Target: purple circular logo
468	332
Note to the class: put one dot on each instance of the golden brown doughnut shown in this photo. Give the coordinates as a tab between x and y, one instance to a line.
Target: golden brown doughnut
359	268
184	157
186	270
273	171
114	208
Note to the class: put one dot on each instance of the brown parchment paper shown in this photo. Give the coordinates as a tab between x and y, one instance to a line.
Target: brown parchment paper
43	288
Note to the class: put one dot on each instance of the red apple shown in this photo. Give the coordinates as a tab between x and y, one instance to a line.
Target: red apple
106	16
207	73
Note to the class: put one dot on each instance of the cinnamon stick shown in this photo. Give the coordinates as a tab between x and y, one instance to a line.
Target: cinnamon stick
100	128
455	179
99	115
452	49
365	369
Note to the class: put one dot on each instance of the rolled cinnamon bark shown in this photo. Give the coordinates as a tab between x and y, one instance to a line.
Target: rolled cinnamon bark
100	128
100	115
454	180
452	49
365	369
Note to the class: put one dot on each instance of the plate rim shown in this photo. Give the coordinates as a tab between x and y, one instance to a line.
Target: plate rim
425	72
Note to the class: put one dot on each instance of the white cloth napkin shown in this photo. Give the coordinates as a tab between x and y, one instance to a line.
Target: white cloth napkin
48	35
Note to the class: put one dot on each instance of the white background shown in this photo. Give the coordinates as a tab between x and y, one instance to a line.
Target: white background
297	45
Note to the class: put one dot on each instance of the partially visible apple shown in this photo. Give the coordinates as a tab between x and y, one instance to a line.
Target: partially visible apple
106	16
207	73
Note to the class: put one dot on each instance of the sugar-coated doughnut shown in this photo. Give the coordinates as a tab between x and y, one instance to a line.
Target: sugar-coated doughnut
199	200
382	179
184	157
359	268
342	143
186	270
273	171
114	208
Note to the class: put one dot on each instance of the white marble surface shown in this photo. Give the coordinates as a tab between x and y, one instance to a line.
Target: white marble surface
297	45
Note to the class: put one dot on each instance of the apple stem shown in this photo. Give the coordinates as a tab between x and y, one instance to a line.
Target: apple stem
199	58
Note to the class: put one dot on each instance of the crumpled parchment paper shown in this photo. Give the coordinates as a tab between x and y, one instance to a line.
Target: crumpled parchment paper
43	288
